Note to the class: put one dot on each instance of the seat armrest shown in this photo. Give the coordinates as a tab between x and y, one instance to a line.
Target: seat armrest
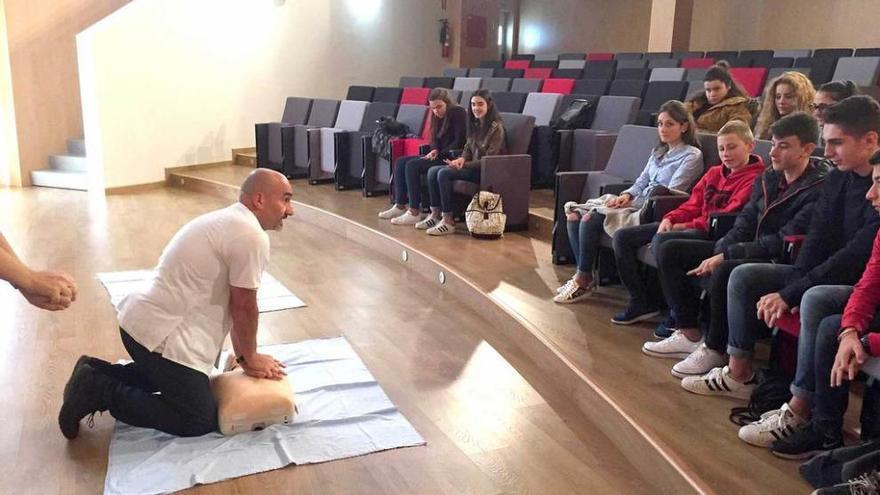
791	245
658	206
614	188
720	224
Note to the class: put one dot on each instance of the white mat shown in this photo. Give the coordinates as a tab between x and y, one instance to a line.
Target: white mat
343	412
272	295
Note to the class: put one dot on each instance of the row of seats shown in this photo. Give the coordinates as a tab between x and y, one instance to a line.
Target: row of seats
716	54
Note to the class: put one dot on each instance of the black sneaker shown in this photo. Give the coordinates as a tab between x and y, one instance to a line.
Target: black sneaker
98	364
84	394
633	314
826	468
805	443
665	329
865	485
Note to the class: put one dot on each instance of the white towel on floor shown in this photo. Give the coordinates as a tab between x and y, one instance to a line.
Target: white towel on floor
343	412
272	295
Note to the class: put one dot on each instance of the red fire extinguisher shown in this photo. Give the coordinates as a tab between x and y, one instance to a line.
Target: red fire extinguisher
445	38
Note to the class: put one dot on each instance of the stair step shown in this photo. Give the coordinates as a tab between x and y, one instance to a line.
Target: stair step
246	158
69	163
76	147
60	179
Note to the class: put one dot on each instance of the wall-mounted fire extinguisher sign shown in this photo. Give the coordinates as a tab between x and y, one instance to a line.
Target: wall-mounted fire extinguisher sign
445	38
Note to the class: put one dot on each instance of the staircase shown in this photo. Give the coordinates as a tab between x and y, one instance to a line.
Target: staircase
67	171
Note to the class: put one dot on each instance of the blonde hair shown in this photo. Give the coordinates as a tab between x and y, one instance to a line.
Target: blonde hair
803	90
739	129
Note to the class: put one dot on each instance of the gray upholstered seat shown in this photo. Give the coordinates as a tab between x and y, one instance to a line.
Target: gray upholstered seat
572	64
275	140
496	84
322	140
792	53
466	83
481	72
323	113
455	72
522	85
667	74
411	82
861	70
543	106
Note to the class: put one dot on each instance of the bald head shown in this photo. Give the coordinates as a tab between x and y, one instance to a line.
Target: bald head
267	194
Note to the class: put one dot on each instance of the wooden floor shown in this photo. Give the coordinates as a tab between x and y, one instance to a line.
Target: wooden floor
488	430
517	274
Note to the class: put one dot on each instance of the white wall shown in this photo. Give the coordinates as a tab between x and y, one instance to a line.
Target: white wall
169	82
9	165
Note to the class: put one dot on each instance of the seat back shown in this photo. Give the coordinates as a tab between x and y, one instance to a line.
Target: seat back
481	72
518	132
695	74
411	82
517	64
546	57
466	83
722	55
758	57
523	56
544	64
455	72
654	63
697	63
454	95
509	73
783	62
537	73
833	52
387	94
600	69
777	71
523	85
628	56
491	64
708	143
792	53
693	87
659	92
360	93
633	74
591	86
413	116
631	151
415	96
323	113
296	110
568	99
860	70
567	73
561	86
374	111
351	115
613	112
572	64
625	87
496	84
821	68
762	149
667	74
543	106
632	63
867	52
751	78
657	55
509	102
439	82
599	56
688	54
572	56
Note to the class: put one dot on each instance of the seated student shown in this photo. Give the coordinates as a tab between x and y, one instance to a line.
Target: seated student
724	188
675	163
790	92
811	421
781	204
722	100
828	94
485	137
205	287
448	126
838	244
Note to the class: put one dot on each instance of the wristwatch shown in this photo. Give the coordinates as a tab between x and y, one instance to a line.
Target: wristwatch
866	344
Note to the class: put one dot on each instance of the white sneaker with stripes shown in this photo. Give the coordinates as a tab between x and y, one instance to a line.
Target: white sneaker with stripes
772	426
719	382
441	228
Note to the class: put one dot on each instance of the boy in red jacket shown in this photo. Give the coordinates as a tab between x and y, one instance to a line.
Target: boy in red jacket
724	188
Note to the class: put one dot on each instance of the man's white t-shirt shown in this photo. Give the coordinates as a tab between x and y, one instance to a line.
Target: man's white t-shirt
185	313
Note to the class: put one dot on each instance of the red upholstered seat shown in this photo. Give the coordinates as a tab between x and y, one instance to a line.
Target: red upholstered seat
415	96
751	78
789	323
517	64
537	73
697	63
558	85
600	56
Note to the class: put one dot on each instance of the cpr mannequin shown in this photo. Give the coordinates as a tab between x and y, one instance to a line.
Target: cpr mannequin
245	403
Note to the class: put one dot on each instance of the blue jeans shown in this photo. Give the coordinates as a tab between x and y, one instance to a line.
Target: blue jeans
408	171
747	284
829	403
440	180
818	303
583	236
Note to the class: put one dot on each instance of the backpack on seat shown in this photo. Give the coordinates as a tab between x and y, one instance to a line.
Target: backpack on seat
576	116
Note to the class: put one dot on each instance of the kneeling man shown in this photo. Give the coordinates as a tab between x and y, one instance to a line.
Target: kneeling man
205	286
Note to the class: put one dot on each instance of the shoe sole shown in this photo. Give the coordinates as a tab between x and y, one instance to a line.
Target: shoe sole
646	316
679	374
663	355
801	456
726	395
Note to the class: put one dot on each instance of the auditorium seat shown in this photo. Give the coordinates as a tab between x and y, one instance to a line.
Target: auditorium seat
544	64
465	98
360	93
492	64
867	52
567	73
591	86
600	69
821	68
613	112
274	140
751	78
759	58
466	83
542	106
792	53
628	56
510	102
654	63
544	148
625	87
508	175
697	63
509	73
629	156
387	94
600	56
695	74
658	93
667	74
517	64
523	56
455	72
833	52
860	70
634	63
572	64
658	55
523	85
693	88
481	72
322	114
350	149
722	55
633	74
537	73
415	96
688	55
572	56
377	170
558	85
781	62
439	82
322	149
777	71
496	84
411	82
454	95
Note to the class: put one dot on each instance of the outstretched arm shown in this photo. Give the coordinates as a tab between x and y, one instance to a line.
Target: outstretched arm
46	290
245	319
